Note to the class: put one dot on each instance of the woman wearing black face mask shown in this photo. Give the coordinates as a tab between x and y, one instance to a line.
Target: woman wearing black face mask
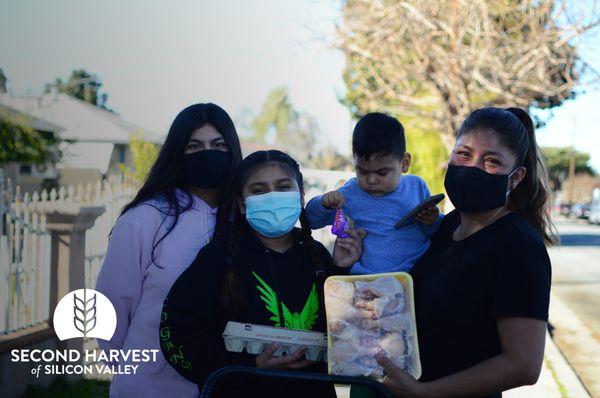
185	200
482	289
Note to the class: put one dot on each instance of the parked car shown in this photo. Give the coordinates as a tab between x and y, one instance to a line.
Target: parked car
565	209
594	214
580	210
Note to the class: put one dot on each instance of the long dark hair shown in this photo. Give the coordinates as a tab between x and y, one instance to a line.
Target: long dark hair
515	129
164	178
230	297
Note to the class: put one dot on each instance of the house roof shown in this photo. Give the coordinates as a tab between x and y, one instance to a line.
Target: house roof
33	122
95	130
78	119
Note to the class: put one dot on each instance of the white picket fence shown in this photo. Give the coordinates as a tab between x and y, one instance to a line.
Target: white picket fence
113	195
25	245
24	258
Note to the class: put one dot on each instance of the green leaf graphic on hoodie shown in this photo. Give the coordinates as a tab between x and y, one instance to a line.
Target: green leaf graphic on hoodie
305	320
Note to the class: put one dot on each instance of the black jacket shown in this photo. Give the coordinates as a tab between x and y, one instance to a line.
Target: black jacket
194	317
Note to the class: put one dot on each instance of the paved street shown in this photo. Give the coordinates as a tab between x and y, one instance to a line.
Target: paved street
576	282
576	270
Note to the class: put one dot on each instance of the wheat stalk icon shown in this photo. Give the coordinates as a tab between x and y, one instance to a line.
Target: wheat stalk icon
84	313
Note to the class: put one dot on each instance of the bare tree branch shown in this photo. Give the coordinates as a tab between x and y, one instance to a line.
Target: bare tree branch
442	59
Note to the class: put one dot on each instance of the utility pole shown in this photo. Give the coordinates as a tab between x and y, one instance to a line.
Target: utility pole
572	164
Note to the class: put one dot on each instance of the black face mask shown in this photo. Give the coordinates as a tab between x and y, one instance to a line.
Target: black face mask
472	189
205	169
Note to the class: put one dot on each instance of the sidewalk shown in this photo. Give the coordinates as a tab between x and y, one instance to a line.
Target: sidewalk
578	342
557	379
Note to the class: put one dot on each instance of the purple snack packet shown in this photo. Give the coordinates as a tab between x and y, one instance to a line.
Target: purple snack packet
340	223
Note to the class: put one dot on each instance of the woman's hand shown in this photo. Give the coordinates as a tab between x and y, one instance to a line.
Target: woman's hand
266	360
428	216
400	383
347	251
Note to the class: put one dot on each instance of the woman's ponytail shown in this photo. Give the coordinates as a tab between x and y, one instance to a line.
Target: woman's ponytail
531	196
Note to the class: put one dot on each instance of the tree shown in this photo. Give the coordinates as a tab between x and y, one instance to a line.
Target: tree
143	155
329	158
558	160
3	80
429	155
296	133
20	143
293	131
278	113
439	60
83	85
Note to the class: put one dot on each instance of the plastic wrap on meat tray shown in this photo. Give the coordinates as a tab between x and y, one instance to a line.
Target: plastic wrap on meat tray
367	315
254	339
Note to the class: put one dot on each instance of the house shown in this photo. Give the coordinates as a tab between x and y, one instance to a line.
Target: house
99	138
29	176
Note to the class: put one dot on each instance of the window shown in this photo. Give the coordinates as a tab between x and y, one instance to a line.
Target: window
121	150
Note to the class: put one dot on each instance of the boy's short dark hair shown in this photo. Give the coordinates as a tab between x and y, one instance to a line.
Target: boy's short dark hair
378	133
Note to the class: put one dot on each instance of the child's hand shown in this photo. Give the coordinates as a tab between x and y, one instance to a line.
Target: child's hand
428	216
296	360
347	251
333	200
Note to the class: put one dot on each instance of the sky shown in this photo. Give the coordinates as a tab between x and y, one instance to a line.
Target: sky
156	57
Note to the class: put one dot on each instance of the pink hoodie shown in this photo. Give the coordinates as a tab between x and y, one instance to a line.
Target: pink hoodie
137	288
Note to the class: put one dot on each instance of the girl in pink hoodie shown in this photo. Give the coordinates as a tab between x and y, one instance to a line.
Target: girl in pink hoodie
186	195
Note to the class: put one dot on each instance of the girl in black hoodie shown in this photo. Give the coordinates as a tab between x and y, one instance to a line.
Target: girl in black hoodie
264	272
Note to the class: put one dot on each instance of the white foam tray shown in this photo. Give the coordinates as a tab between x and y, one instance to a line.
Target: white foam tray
256	338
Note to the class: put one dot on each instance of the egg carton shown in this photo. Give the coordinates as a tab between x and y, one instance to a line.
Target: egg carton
256	338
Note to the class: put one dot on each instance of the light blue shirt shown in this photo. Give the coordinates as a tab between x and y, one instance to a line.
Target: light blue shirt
385	249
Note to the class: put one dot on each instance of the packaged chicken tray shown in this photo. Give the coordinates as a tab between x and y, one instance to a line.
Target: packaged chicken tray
256	338
368	314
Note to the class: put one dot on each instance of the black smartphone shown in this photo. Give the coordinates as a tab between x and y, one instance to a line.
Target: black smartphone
410	217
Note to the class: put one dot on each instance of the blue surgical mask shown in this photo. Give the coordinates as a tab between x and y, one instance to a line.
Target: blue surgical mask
273	214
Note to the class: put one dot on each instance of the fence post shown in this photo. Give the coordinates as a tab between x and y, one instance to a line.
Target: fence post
67	223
